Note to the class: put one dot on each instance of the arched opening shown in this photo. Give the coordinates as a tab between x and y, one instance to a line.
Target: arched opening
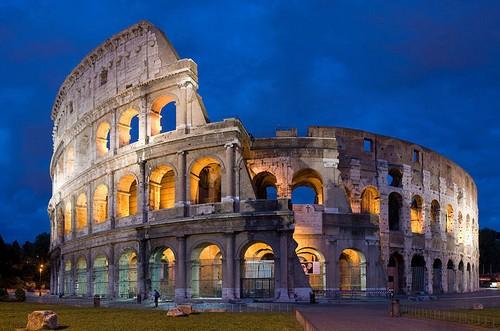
352	265
416	215
450	270
126	196
435	212
162	271
370	201
60	223
395	206
396	273
437	276
206	272
467	235
418	274
460	277
128	127
449	219
68	278
206	181
69	160
460	231
395	178
100	208
100	276
163	115
313	264
257	271
81	277
102	138
469	283
67	218
81	212
307	187
162	188
265	186
127	275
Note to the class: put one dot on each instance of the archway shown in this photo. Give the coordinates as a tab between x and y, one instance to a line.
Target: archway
370	201
435	212
162	271
67	218
102	139
257	271
126	196
81	277
163	114
265	185
162	188
352	265
100	209
100	276
127	275
206	272
128	127
395	206
68	278
206	181
81	212
450	270
396	273
469	283
313	263
417	274
307	183
460	277
449	219
416	215
437	276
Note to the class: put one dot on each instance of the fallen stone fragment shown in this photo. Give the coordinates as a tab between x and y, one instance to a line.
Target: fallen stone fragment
42	320
175	312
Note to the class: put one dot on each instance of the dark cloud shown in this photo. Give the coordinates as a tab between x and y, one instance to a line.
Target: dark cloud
425	71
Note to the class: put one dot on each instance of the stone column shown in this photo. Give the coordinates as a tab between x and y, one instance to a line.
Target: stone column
228	280
72	199
61	276
111	199
90	273
113	135
180	270
283	268
112	275
143	121
141	269
143	190
229	182
90	206
181	106
331	268
180	184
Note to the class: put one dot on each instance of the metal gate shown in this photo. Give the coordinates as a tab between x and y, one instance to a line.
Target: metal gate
207	278
257	279
418	279
437	286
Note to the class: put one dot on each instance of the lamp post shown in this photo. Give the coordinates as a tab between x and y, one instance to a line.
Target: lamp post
40	280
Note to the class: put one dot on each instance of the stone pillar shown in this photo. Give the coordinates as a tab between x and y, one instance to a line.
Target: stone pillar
61	276
283	268
143	190
90	273
228	280
113	135
141	269
331	268
111	199
52	281
228	194
180	183
182	106
143	121
112	274
429	276
90	207
180	270
72	200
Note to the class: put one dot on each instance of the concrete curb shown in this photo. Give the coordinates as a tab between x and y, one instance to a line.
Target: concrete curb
304	322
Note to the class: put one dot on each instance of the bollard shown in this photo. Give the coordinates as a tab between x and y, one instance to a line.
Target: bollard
139	298
97	301
395	308
312	297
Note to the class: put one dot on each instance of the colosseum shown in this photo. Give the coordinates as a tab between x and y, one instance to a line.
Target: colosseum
148	194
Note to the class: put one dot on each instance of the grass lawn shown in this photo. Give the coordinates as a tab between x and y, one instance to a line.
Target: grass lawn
488	317
13	315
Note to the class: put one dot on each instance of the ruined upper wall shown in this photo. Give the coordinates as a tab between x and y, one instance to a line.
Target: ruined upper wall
131	57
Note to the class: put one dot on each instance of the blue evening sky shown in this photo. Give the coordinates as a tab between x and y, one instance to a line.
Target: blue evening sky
424	71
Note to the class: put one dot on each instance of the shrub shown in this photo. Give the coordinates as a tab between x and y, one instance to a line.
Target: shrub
20	294
4	295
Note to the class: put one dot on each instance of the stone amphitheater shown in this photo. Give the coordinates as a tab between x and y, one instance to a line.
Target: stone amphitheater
148	194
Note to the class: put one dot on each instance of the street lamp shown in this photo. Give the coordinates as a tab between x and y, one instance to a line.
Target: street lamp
40	280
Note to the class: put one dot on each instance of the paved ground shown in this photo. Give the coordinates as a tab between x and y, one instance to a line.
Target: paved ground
373	317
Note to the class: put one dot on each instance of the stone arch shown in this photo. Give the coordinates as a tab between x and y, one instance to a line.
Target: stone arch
460	230
206	271
314	266
257	271
395	211
125	126
68	277
449	219
437	276
460	277
100	204
468	287
162	188
265	185
418	274
352	273
127	274
205	180
310	178
81	211
157	108
370	201
395	177
126	196
416	215
67	218
69	161
162	263
102	138
81	276
100	275
396	273
434	216
450	274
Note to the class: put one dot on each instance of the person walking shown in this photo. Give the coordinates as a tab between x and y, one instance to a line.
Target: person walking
156	296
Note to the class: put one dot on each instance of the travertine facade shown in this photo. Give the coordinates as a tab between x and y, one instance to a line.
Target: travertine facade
199	209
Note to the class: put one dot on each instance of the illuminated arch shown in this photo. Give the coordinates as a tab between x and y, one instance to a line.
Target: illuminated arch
370	201
127	274
162	188
67	218
81	277
102	138
100	276
100	207
449	219
68	277
126	195
157	108
206	271
313	263
257	271
309	178
69	161
124	126
205	181
352	264
162	271
265	185
416	215
81	212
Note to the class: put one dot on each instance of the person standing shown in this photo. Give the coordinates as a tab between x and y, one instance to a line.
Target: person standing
156	296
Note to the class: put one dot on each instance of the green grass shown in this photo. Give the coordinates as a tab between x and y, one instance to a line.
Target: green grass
14	315
488	317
